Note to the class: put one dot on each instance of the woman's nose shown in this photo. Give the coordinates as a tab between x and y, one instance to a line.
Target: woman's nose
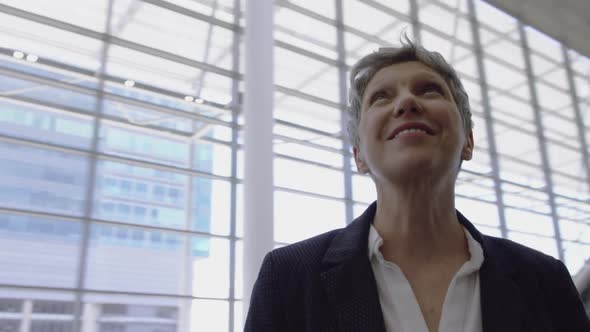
407	104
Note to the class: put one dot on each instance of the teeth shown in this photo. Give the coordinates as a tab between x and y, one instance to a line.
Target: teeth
407	131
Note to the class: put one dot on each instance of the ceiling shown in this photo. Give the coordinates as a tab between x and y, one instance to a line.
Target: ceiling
565	20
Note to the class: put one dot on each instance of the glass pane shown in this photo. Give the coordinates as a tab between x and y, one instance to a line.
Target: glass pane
478	213
521	197
448	20
519	162
576	255
42	180
305	32
149	71
122	312
209	315
220	9
325	8
11	305
307	137
146	196
575	230
53	307
238	312
307	75
327	158
176	34
26	88
307	113
91	14
48	43
357	47
298	217
150	261
377	20
239	270
39	251
489	15
363	188
45	124
542	43
524	221
475	186
140	195
10	325
450	50
151	146
307	177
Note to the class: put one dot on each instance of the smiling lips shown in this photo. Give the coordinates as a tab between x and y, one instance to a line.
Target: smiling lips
410	127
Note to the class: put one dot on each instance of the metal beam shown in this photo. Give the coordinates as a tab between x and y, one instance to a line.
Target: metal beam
91	174
416	26
342	87
541	139
489	121
233	222
190	13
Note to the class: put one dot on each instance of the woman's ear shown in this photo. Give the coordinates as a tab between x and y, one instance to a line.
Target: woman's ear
467	151
360	163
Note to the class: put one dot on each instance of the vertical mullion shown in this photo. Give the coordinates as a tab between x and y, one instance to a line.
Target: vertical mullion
236	106
346	148
488	119
416	28
91	176
541	138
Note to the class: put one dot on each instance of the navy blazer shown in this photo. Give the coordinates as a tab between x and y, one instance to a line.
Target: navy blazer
326	283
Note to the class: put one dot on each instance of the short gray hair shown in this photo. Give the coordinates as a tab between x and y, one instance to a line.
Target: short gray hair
364	70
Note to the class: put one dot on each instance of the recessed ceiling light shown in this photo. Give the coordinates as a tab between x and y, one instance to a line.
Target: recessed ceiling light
199	101
32	58
189	98
18	54
129	83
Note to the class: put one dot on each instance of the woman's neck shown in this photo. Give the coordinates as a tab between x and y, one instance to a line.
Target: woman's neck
418	222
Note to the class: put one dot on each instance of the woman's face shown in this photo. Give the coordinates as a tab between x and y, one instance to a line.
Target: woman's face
410	126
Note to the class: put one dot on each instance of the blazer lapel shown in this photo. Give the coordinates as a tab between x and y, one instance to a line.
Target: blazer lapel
502	305
348	280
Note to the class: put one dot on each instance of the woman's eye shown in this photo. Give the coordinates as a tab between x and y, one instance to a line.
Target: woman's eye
431	88
379	95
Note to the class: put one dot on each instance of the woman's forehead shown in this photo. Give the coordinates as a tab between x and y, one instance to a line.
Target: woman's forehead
402	72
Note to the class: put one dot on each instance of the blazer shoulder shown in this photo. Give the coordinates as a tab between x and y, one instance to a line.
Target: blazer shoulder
518	255
544	281
306	253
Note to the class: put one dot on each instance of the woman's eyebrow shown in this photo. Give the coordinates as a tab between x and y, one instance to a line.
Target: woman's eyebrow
427	76
379	85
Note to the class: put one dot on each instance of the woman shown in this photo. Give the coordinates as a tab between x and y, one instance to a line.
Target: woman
411	262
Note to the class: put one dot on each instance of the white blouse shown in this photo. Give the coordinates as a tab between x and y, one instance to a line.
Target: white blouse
461	309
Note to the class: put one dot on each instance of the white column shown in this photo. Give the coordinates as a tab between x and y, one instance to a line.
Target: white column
90	317
25	323
258	153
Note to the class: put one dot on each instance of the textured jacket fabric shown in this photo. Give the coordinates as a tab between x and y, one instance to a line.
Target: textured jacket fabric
326	283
